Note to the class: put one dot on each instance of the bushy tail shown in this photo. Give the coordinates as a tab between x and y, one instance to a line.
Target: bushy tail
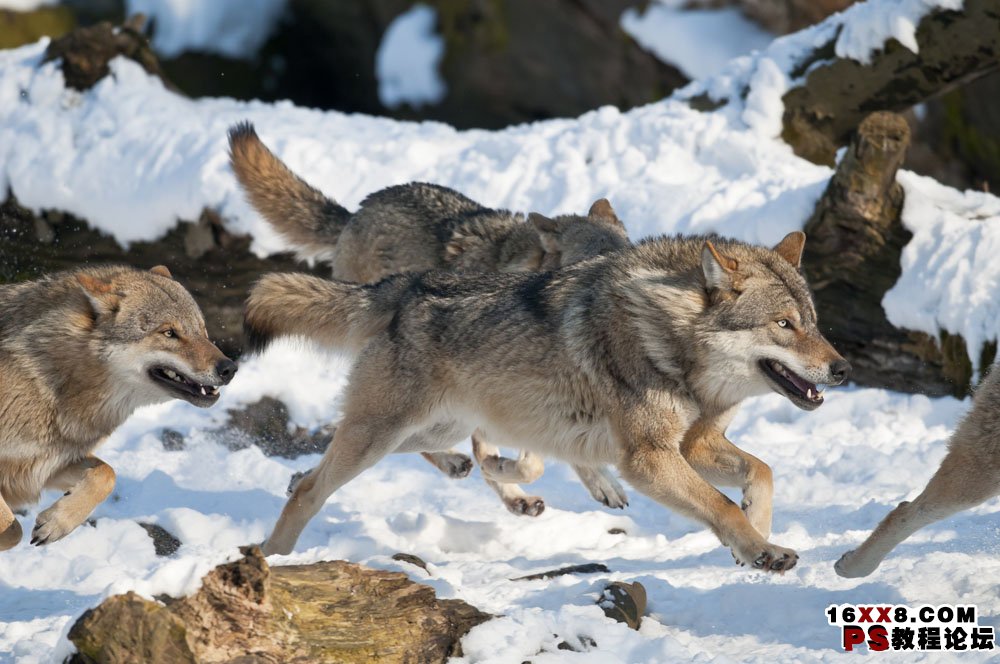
310	221
335	314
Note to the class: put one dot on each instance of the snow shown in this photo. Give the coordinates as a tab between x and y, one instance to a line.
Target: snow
26	5
132	158
697	41
837	471
233	28
406	63
950	274
873	23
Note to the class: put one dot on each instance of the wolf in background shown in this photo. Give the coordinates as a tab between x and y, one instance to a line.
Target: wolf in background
79	352
418	227
969	475
638	358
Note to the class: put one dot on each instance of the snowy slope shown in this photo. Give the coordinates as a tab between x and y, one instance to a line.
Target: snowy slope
132	158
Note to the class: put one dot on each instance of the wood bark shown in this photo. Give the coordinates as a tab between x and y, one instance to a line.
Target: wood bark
852	258
247	612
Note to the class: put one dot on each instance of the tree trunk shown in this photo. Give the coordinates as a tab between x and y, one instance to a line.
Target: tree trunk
852	259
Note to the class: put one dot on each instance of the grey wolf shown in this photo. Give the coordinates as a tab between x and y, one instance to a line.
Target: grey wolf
969	475
79	352
638	358
418	227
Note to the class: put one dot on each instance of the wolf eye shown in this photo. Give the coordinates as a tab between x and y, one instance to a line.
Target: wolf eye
784	323
170	334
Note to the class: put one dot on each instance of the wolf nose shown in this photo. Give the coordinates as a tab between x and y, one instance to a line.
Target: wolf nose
840	370
226	369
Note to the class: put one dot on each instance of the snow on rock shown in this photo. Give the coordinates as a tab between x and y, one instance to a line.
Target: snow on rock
697	41
951	275
871	24
25	5
407	60
234	28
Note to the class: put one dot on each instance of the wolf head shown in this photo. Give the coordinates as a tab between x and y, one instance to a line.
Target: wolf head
751	317
763	312
153	336
571	238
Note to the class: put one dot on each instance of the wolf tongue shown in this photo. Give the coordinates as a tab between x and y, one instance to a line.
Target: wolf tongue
799	382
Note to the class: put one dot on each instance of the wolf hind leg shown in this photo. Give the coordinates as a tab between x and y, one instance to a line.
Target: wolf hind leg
960	483
86	483
513	496
10	528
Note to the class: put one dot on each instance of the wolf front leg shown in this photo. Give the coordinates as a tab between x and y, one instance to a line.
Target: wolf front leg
964	480
653	463
356	446
10	529
86	483
513	496
721	463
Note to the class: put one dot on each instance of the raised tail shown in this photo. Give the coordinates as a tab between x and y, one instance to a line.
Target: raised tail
310	221
335	314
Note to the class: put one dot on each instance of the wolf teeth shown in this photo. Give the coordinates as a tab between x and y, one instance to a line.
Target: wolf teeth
203	391
809	394
170	373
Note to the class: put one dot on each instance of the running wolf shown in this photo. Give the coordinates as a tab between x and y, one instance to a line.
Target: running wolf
638	358
418	227
79	351
968	476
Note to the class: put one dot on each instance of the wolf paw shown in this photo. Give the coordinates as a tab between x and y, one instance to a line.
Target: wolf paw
772	559
526	505
458	466
10	536
52	525
850	567
609	492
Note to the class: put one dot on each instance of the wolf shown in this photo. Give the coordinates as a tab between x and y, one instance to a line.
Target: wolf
969	475
79	352
418	227
638	358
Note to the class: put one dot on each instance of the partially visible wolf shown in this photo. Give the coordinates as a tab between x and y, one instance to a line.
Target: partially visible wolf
968	476
638	358
418	227
79	352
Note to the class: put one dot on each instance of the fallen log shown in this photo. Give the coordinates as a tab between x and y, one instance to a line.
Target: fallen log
246	611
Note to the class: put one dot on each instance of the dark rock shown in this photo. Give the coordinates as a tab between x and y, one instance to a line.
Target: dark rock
505	61
173	441
586	568
164	543
617	531
265	423
624	602
245	611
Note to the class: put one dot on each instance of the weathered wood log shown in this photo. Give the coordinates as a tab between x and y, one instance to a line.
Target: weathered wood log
852	258
954	47
245	611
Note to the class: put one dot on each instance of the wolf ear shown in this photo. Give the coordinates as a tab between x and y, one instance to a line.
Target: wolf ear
719	269
103	297
162	271
601	209
548	231
790	248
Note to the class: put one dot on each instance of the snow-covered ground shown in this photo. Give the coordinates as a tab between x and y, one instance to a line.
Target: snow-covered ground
837	471
132	158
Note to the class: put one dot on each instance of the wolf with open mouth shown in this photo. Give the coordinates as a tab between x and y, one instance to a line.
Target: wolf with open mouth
79	352
639	358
